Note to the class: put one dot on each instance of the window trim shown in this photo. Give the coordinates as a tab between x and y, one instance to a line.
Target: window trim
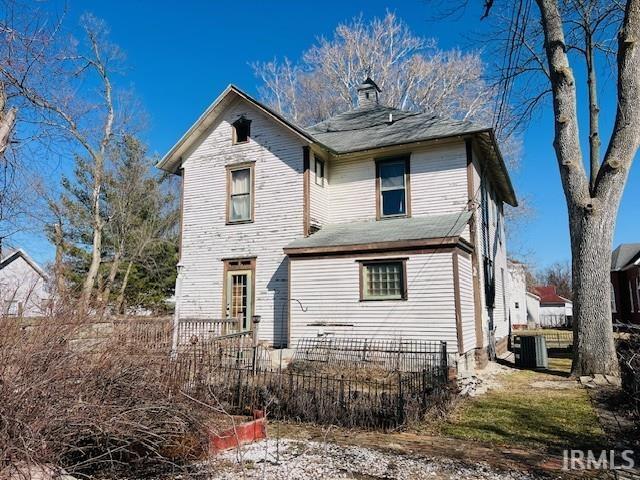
638	291
614	303
632	309
407	186
252	191
361	273
234	133
317	162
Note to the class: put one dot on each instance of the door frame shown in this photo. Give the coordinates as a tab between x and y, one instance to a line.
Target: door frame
242	264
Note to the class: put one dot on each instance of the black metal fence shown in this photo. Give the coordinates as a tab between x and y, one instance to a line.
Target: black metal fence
391	355
284	394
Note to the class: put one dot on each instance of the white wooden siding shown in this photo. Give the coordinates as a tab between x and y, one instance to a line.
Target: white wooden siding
23	287
517	294
328	289
318	195
278	218
352	190
466	303
439	180
438	184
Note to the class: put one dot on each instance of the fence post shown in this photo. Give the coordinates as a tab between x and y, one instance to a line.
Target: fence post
444	361
424	390
400	413
254	336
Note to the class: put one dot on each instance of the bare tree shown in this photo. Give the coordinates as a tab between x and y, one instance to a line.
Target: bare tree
557	275
413	73
65	108
539	42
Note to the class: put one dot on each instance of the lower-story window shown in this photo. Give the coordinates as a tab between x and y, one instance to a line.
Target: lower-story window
383	279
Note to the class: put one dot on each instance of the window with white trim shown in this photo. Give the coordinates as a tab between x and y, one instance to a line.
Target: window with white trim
383	280
614	308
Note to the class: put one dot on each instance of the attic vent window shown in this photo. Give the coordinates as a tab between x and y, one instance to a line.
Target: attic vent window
241	130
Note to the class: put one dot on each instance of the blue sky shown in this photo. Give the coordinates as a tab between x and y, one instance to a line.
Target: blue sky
181	55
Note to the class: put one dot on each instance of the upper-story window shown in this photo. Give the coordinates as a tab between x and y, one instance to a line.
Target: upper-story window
240	193
241	130
319	169
392	185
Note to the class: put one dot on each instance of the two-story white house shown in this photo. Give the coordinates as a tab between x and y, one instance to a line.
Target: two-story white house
374	223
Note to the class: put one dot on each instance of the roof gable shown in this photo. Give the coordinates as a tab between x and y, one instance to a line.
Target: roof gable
548	295
173	159
625	255
19	253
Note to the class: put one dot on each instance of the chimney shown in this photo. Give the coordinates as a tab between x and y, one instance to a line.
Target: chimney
368	93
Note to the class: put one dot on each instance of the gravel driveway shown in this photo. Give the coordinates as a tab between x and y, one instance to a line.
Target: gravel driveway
297	460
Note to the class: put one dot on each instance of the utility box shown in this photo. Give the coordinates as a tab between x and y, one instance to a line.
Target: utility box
531	351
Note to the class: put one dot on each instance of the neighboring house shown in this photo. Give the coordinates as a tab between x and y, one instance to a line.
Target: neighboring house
517	294
625	283
533	310
555	311
375	223
23	288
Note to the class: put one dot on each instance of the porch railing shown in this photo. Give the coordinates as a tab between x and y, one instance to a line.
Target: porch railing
198	330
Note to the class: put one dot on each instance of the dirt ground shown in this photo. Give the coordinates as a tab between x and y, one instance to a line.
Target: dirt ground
496	433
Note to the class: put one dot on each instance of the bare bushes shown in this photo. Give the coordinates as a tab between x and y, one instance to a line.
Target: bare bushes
67	400
629	359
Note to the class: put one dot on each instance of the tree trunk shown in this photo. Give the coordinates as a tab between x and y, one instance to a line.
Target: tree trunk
123	287
96	248
106	292
58	237
591	241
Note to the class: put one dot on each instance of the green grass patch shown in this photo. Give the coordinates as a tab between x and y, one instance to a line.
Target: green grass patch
529	410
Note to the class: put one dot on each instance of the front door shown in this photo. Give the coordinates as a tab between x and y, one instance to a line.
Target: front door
239	296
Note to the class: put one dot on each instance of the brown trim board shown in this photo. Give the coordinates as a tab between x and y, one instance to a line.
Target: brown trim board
306	190
430	244
475	267
456	298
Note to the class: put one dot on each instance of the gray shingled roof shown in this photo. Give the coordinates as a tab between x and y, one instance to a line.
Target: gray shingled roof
369	127
391	230
624	255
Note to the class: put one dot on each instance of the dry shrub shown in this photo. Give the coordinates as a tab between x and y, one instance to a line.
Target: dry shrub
71	399
628	347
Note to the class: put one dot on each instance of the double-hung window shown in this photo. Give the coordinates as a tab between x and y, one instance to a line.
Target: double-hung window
383	280
240	194
392	180
319	172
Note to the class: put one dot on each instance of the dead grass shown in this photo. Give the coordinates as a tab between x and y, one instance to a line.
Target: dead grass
530	409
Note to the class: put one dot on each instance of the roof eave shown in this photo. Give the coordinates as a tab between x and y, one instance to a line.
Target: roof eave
396	245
